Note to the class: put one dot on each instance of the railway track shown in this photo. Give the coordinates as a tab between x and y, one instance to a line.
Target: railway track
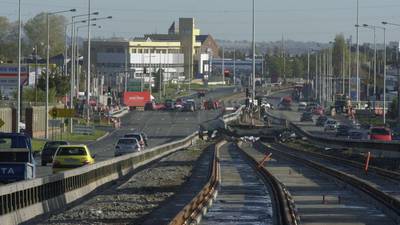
241	194
330	192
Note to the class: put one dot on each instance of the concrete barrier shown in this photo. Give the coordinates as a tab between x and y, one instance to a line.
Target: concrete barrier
22	201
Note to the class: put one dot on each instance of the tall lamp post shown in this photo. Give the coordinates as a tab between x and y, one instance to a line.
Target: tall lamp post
398	73
19	68
47	68
384	68
375	53
254	55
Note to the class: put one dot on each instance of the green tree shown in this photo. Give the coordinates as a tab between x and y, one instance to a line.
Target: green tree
339	49
36	31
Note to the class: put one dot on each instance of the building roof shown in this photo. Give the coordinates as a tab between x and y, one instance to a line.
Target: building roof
162	37
202	38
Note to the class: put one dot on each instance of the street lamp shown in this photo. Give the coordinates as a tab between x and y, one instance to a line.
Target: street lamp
47	67
398	74
375	53
384	68
254	55
19	68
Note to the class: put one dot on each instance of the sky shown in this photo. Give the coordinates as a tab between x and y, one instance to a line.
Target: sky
300	20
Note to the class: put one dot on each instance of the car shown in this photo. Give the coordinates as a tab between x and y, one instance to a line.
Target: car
306	116
188	107
330	124
318	111
342	131
17	162
145	138
396	133
71	156
321	121
169	104
149	106
302	106
380	134
138	136
126	146
356	134
49	149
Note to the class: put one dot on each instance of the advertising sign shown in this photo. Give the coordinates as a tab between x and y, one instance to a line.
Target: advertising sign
136	99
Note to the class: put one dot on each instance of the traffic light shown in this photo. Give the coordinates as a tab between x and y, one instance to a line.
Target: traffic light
109	91
247	93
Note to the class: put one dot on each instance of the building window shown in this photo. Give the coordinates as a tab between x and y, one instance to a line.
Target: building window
140	51
134	50
146	50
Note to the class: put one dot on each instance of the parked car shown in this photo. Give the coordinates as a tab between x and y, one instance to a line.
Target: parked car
306	116
71	156
49	150
380	133
321	121
302	106
16	158
330	124
169	104
126	146
318	111
138	137
396	133
342	131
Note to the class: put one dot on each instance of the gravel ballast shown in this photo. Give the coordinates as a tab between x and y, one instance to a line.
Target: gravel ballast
130	201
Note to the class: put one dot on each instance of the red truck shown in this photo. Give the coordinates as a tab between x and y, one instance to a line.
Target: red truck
136	99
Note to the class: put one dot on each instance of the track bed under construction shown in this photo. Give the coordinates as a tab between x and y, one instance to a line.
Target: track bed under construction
320	198
242	197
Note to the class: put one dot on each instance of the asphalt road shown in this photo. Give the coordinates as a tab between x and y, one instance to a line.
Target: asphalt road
160	126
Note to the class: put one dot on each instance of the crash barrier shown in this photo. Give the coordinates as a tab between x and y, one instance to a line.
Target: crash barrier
22	201
339	142
193	211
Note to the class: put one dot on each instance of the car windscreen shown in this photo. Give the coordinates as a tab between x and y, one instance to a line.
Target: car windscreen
135	136
130	141
66	151
13	142
379	131
55	144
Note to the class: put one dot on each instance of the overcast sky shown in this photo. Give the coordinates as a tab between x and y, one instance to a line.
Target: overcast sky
302	20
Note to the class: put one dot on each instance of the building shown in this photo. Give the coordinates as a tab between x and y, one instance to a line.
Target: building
181	54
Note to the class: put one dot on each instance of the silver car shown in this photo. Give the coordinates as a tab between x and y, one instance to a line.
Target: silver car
126	146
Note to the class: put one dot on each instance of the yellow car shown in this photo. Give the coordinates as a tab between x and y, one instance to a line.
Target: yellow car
70	157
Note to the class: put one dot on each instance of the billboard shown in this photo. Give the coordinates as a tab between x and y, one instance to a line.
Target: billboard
136	99
9	78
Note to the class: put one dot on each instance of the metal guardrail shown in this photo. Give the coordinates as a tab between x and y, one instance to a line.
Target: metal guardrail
192	210
24	200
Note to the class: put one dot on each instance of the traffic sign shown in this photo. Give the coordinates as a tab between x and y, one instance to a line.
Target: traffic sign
2	123
66	113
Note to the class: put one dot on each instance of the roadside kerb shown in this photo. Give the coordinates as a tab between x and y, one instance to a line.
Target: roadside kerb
22	201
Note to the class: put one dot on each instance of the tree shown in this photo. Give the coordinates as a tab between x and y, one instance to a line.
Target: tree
339	48
36	31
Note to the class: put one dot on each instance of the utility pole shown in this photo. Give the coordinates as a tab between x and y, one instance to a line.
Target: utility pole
316	76
88	68
223	65
308	66
254	55
19	68
358	55
350	68
234	67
